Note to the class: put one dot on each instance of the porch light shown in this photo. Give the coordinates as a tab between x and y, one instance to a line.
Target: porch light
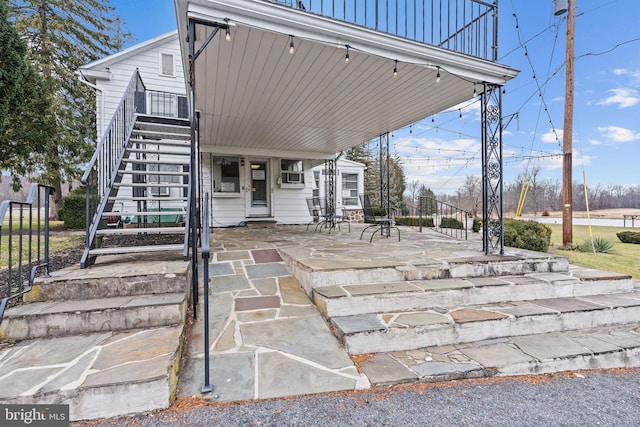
227	32
291	46
438	75
395	68
346	57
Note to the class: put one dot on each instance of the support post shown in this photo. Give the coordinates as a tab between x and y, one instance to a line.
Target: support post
567	137
330	191
492	173
385	202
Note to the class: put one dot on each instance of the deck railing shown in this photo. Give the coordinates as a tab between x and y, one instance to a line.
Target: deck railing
447	219
464	26
24	242
166	104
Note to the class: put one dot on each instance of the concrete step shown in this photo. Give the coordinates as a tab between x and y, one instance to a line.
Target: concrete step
592	348
137	249
60	318
329	270
397	331
99	375
81	284
352	299
162	142
155	151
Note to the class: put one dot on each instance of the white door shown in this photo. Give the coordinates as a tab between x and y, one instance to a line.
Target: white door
258	191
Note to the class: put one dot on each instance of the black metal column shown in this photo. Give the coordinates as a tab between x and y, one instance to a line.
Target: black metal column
492	170
330	190
385	200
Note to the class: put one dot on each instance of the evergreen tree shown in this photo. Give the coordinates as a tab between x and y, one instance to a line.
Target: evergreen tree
62	35
26	119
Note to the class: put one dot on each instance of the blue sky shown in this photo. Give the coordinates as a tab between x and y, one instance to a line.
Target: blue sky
442	151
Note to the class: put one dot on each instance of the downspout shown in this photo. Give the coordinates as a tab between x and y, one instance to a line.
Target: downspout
100	116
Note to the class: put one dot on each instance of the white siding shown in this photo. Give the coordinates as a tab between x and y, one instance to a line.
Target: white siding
148	64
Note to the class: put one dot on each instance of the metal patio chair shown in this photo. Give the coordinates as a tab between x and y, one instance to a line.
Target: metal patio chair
384	225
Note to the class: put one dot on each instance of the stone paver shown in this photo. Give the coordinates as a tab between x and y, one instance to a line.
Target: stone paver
444	369
358	323
382	369
260	271
496	355
467	315
549	346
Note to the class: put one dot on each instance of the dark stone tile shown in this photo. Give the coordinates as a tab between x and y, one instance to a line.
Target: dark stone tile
261	256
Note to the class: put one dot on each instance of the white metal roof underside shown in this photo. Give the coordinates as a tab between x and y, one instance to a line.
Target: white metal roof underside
254	96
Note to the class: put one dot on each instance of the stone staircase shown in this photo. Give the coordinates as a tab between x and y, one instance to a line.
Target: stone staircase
496	317
106	340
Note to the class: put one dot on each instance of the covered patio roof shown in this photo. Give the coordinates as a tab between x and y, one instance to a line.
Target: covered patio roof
254	95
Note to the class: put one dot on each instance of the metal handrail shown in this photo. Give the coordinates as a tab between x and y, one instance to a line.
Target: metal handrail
22	282
446	217
102	170
465	26
205	251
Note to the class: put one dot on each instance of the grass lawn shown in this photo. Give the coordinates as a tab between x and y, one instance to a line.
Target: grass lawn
623	257
57	242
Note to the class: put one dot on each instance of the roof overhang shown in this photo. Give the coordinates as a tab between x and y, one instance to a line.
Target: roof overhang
253	95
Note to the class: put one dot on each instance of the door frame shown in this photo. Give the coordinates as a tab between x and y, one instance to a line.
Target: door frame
256	210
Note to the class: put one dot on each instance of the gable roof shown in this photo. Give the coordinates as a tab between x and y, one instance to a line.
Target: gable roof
102	63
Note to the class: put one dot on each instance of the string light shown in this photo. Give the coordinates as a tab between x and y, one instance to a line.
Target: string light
346	56
438	75
291	46
410	128
475	92
227	35
395	68
459	113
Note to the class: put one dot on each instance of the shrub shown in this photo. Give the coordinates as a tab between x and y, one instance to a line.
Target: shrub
449	222
527	235
600	245
73	210
545	213
477	225
413	221
629	237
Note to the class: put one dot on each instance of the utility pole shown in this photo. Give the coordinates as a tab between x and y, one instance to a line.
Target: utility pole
567	137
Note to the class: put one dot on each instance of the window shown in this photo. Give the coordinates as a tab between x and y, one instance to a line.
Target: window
291	172
350	189
316	180
167	65
173	177
226	174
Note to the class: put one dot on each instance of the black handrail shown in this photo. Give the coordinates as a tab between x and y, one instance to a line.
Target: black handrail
447	219
20	282
464	26
205	250
102	170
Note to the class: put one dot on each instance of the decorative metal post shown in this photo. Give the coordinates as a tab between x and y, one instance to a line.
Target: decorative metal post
492	206
330	190
385	200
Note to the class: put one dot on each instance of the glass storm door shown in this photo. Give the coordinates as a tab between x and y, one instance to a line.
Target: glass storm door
258	197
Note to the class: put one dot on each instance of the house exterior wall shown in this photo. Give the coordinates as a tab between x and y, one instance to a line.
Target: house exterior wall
148	63
286	201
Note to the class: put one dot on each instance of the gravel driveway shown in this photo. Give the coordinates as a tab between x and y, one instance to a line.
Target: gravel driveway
573	399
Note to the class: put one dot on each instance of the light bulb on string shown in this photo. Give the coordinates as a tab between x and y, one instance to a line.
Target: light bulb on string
346	56
475	92
227	32
438	75
395	68
291	46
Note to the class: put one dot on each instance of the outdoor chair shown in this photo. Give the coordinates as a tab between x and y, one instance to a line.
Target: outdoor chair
383	224
317	218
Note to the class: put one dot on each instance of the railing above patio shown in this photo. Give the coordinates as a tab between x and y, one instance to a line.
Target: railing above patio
464	26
